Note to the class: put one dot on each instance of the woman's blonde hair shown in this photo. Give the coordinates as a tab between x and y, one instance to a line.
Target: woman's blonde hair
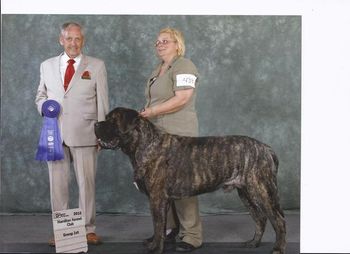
178	37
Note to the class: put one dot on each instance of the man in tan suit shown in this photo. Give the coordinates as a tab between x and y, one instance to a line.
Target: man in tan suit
79	84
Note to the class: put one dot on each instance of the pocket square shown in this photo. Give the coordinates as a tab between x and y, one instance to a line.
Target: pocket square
86	75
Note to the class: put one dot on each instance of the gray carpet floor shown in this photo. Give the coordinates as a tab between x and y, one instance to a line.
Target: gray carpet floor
29	233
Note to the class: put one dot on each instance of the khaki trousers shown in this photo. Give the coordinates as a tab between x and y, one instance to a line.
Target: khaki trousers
84	160
190	224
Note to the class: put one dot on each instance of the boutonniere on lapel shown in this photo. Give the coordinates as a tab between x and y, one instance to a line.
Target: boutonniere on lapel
86	75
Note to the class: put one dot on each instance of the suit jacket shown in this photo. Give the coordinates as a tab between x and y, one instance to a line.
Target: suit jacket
83	103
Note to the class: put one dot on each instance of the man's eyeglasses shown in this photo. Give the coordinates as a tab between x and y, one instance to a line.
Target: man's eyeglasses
162	42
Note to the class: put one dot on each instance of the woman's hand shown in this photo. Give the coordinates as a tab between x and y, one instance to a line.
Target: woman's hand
147	113
172	105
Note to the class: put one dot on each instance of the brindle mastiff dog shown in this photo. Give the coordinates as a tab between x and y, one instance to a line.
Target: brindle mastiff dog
168	167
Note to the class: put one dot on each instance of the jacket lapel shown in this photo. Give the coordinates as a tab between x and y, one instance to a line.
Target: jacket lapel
57	73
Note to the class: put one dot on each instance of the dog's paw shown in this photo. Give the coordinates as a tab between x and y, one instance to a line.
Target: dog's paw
153	247
150	245
252	244
147	241
277	251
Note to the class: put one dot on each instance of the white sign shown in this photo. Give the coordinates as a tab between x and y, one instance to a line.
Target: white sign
69	230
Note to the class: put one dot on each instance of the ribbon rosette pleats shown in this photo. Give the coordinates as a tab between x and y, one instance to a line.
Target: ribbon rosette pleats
50	142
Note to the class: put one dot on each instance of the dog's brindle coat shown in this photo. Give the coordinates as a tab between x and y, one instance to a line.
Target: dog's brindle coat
168	167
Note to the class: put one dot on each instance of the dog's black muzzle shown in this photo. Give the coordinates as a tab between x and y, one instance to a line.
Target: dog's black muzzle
106	135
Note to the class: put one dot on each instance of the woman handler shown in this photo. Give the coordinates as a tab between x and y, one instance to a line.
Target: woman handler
170	94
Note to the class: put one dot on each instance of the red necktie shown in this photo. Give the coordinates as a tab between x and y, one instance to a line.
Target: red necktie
69	73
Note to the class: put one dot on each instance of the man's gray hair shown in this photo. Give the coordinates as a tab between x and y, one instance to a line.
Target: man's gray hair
66	25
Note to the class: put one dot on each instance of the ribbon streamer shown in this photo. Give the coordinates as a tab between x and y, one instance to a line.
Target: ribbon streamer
50	142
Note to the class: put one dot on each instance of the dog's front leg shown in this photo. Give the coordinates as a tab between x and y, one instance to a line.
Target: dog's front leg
159	207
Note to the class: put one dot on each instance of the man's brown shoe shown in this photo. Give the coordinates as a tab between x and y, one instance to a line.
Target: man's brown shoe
92	238
52	242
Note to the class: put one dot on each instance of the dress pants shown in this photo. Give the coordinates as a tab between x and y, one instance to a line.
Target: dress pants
84	161
187	211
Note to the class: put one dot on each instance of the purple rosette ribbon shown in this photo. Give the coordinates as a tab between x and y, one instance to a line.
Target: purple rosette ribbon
50	142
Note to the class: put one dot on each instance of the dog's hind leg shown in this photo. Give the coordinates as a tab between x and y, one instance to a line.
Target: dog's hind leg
258	216
275	215
279	225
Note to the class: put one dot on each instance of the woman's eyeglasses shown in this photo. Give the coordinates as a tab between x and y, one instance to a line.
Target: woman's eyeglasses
162	42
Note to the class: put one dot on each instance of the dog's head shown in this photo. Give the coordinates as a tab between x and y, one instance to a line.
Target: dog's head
116	130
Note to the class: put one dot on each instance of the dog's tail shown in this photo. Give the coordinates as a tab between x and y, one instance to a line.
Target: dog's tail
275	170
275	160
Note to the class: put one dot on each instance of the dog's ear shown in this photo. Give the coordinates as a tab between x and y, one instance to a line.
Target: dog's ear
131	118
130	115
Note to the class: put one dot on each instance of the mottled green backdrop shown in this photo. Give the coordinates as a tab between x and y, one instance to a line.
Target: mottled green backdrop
250	78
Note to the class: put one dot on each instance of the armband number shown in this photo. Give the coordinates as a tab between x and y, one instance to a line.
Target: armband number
186	80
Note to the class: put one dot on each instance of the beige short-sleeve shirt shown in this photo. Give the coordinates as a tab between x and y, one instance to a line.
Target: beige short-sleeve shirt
181	74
